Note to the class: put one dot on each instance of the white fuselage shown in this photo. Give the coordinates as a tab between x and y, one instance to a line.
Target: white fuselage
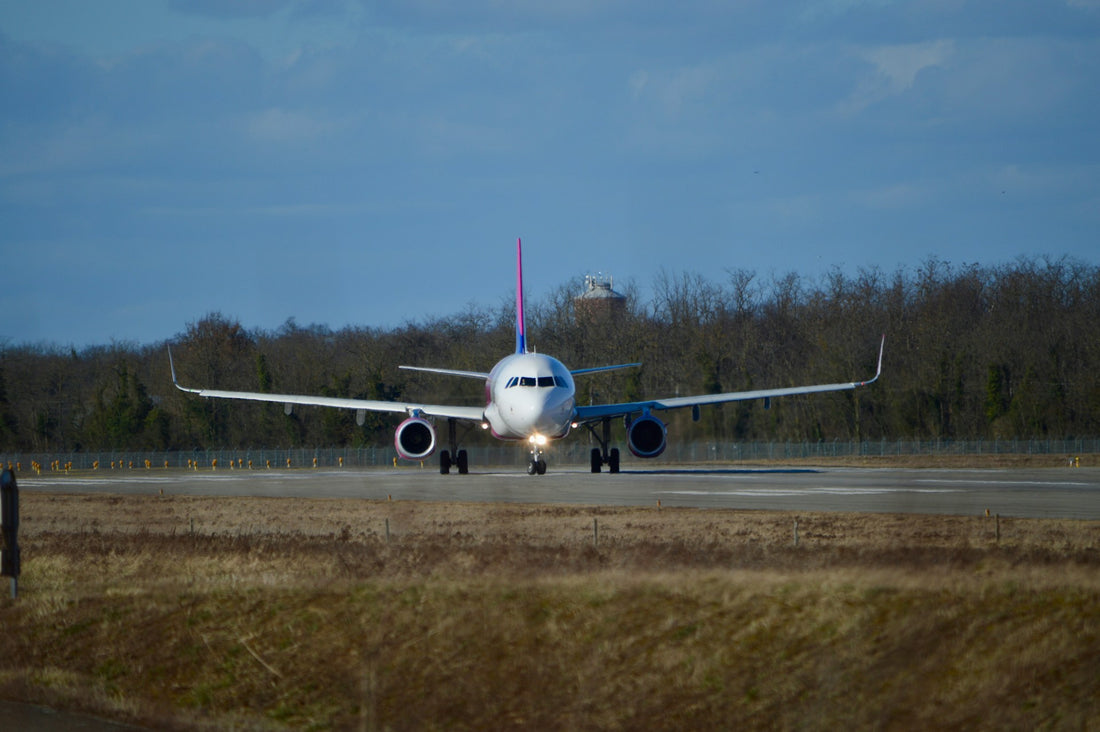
530	395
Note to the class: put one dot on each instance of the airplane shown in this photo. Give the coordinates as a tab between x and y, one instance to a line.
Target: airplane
530	397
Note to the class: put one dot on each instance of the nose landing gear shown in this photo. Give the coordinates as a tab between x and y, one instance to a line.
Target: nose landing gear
536	466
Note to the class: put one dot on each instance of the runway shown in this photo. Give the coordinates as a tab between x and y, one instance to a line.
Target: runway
1026	493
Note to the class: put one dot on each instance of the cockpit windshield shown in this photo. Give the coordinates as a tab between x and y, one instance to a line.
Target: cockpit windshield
535	381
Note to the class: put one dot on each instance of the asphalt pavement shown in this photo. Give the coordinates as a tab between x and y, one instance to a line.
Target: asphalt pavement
1026	493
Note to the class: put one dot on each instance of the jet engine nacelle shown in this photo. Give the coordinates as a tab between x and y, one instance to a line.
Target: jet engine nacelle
646	437
414	439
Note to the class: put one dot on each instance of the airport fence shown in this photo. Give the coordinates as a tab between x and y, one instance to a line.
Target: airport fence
570	452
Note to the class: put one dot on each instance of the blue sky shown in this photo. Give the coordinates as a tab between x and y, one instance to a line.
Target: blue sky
345	162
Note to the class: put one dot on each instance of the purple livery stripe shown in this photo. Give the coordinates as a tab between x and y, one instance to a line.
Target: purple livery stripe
521	336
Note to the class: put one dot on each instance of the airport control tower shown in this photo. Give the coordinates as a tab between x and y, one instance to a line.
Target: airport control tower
599	301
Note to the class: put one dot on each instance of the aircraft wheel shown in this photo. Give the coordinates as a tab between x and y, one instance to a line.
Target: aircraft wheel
540	466
444	462
597	460
463	462
532	467
613	460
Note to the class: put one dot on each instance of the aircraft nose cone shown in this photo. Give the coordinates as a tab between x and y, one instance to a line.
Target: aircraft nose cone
526	414
544	412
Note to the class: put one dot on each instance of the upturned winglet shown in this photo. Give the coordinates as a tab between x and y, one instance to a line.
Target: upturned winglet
878	370
175	382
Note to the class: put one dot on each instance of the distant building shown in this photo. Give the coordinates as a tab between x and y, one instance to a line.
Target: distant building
599	301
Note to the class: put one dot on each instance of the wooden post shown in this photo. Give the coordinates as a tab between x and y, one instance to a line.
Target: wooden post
998	528
9	527
387	531
796	532
596	533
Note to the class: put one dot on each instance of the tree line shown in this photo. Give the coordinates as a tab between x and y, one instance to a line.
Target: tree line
972	352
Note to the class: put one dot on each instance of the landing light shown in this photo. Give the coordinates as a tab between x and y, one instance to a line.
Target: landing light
537	439
484	425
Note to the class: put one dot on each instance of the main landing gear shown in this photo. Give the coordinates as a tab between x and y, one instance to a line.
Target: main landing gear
601	455
461	461
454	456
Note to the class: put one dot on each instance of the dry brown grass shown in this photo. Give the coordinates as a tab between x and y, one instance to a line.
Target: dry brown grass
258	613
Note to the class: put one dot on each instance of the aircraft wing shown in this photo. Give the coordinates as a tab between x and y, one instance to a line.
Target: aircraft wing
576	372
599	411
475	414
449	372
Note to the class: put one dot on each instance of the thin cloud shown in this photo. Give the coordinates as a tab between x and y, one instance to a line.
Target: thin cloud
895	70
287	126
225	9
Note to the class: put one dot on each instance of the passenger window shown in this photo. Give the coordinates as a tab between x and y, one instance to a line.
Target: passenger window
546	381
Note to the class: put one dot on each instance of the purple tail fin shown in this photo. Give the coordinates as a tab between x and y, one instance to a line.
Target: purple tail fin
521	336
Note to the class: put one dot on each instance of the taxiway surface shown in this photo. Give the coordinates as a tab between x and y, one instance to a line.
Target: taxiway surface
1031	493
